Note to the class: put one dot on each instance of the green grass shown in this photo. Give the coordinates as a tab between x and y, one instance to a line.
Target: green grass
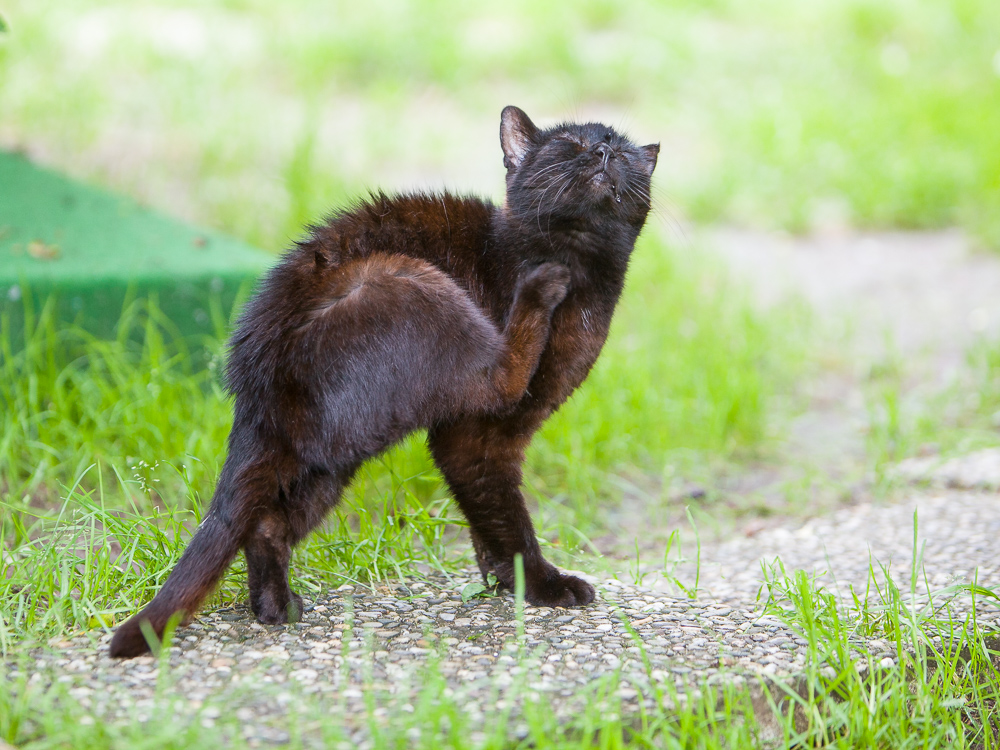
956	418
983	402
942	690
71	399
872	113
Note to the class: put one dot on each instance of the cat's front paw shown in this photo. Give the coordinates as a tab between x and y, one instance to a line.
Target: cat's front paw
547	284
559	590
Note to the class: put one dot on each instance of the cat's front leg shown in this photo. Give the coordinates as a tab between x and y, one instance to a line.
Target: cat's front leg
481	459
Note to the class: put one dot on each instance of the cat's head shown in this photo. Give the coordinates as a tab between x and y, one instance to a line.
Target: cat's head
574	174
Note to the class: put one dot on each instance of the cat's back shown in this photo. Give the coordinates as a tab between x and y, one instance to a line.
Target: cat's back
447	230
385	279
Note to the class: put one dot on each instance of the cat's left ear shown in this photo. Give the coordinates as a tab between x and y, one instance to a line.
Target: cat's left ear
516	133
649	154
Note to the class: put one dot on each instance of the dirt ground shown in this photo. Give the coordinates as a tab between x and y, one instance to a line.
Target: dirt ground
916	300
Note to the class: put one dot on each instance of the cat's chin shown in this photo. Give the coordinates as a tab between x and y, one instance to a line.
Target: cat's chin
601	178
606	187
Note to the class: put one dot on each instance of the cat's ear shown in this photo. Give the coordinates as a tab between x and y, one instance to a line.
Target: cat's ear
516	132
649	154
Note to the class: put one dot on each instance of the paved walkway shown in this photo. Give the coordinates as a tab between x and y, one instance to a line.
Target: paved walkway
635	644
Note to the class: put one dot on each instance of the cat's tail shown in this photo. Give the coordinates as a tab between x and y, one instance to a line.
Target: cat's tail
211	550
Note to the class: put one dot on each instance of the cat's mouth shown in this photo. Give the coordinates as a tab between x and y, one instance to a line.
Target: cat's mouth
603	178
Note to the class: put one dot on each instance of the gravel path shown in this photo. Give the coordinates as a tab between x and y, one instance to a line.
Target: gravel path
403	643
958	523
355	643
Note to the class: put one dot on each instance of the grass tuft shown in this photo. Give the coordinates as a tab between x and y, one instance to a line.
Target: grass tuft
141	403
940	687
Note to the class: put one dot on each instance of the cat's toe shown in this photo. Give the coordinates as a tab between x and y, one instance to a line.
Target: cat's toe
582	592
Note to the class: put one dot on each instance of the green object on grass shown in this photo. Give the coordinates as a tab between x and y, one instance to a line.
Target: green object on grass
94	250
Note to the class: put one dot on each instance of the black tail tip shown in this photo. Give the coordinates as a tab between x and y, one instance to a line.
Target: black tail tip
128	642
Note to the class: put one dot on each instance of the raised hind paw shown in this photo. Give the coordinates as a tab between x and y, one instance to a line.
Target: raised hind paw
547	285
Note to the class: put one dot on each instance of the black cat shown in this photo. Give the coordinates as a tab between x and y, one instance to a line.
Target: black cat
472	320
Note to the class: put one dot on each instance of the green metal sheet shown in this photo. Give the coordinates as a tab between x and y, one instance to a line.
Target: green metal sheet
93	250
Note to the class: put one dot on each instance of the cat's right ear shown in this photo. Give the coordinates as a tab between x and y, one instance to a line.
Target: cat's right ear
649	154
516	133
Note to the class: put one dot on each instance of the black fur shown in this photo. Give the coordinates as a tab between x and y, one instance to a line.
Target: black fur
472	320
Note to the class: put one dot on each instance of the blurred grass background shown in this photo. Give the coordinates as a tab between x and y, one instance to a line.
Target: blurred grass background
256	118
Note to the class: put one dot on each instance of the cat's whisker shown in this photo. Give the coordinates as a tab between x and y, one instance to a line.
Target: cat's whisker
641	196
538	210
542	188
542	172
539	201
567	183
550	179
668	217
563	180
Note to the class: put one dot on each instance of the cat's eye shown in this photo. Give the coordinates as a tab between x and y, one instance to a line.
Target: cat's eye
577	144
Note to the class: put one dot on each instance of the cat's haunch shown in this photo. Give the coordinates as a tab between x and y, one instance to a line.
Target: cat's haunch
452	314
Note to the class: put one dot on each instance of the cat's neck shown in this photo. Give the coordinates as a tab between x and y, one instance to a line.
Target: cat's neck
597	256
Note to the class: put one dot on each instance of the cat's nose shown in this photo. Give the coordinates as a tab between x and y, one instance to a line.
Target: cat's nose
606	152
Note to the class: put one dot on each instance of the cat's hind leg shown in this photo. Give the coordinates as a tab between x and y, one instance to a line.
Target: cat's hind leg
268	550
524	339
268	545
397	344
206	558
